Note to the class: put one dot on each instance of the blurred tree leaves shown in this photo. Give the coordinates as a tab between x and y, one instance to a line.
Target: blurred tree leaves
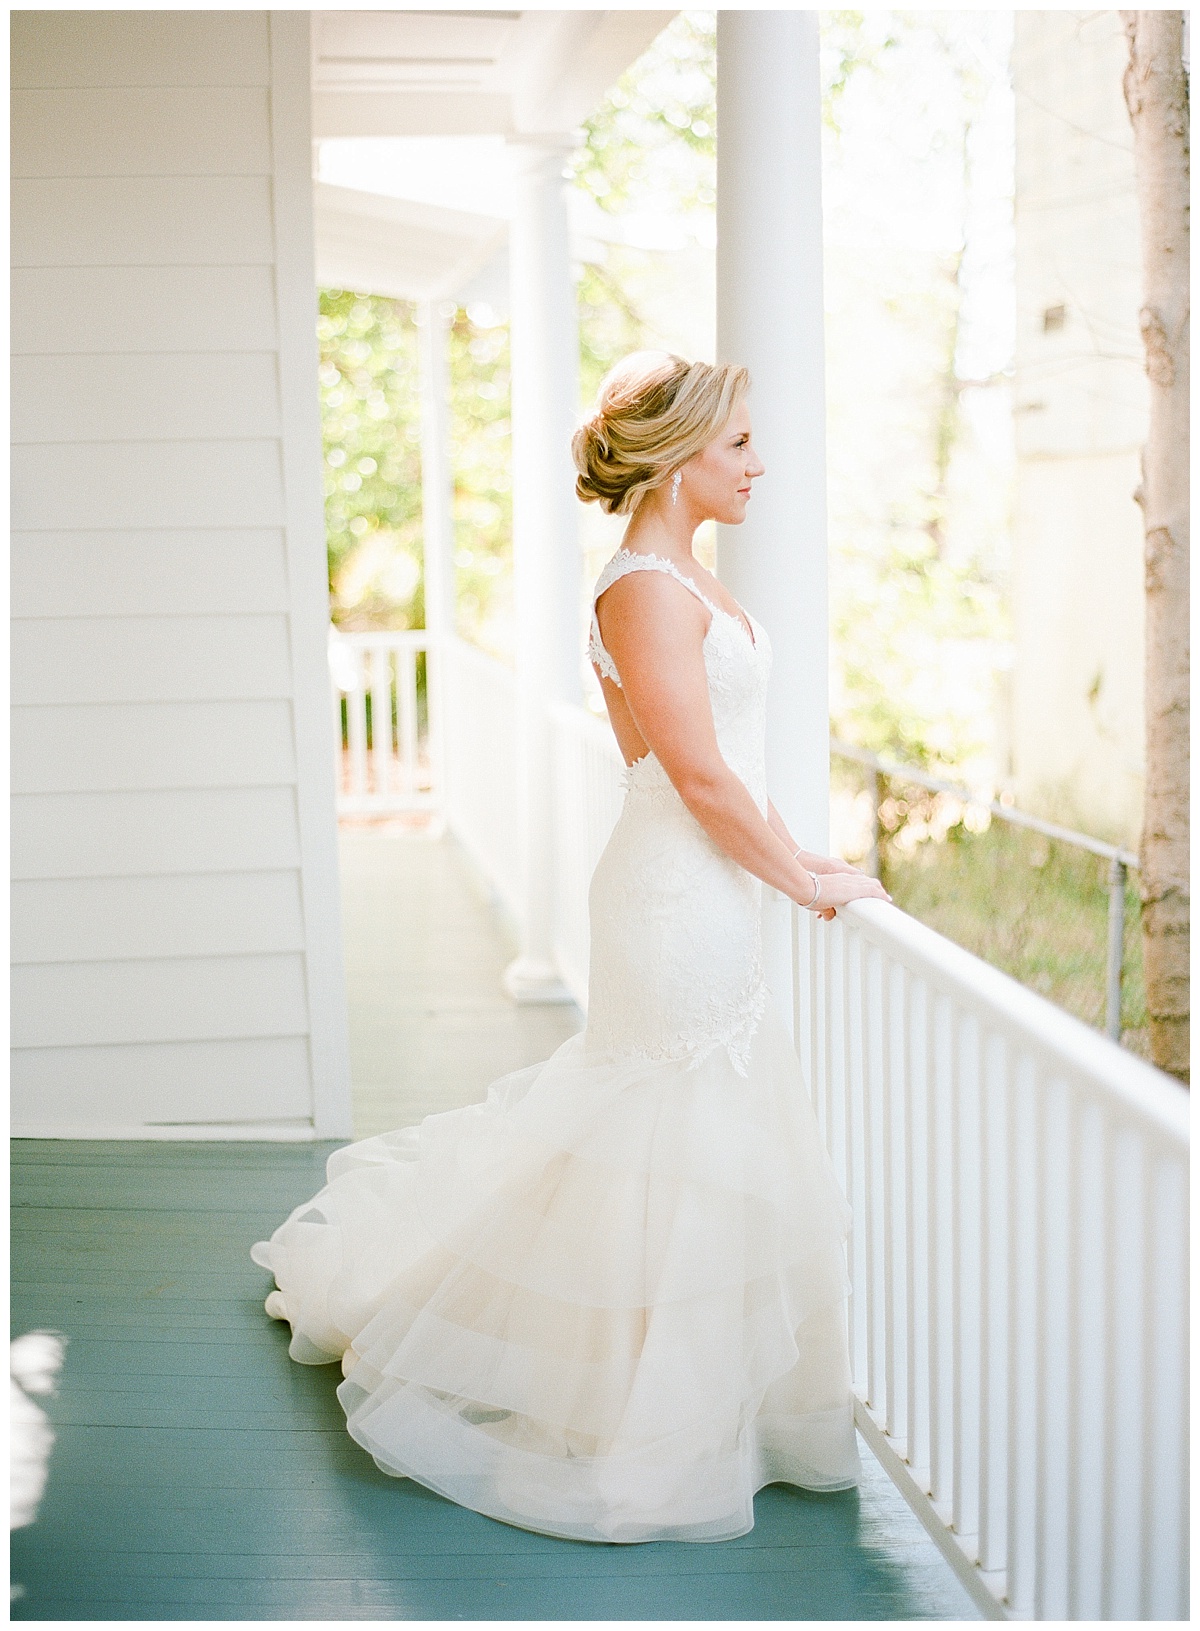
653	141
371	431
481	454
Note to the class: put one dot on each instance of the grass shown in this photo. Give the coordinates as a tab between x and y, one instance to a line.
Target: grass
1034	907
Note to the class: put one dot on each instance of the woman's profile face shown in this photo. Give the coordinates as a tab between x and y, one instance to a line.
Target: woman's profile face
717	479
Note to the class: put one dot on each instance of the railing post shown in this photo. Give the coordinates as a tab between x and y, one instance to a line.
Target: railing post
1116	945
875	787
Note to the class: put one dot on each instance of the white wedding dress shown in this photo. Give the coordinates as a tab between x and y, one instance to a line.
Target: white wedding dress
609	1302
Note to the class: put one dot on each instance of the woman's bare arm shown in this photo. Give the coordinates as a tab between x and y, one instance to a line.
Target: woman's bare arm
654	630
812	859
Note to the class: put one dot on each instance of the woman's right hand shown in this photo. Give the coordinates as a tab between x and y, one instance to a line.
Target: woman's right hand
840	888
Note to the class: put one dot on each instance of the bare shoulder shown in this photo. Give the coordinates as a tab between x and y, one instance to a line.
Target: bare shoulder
642	603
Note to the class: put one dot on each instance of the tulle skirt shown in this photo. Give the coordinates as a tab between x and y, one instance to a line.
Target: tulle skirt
608	1303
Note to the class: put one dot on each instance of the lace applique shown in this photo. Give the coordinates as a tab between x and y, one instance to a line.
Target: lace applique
646	775
676	969
628	560
597	654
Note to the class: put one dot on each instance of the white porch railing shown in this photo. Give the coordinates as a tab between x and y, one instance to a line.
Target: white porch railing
477	697
1019	1258
1019	1183
588	794
384	761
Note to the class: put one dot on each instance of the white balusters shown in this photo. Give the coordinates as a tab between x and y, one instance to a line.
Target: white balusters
1018	1321
478	704
993	1343
381	718
388	765
1018	1259
406	722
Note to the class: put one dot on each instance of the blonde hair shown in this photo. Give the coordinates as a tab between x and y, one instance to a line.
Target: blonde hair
655	411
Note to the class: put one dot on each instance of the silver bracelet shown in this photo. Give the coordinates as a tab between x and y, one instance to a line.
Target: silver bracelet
809	904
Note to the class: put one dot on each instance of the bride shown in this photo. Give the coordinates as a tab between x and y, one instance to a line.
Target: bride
608	1303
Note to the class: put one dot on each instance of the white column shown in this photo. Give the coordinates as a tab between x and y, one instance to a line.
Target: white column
437	523
546	559
770	316
437	476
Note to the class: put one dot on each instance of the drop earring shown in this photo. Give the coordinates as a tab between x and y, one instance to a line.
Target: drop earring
676	481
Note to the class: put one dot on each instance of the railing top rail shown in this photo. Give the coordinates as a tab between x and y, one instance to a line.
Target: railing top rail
1018	818
1073	1047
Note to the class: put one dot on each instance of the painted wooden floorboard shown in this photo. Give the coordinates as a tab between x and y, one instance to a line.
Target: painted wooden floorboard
200	1474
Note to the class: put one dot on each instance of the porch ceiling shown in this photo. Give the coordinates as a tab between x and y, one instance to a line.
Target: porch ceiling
394	246
455	73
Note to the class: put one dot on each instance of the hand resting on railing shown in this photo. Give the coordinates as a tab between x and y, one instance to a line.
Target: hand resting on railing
841	883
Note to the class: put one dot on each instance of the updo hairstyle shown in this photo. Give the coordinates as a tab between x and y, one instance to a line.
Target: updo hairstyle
655	412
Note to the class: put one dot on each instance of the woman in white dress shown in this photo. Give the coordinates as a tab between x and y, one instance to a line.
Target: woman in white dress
608	1303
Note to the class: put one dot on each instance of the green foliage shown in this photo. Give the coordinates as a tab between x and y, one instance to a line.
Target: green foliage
481	451
371	429
918	505
845	49
652	141
611	325
370	420
649	149
1031	906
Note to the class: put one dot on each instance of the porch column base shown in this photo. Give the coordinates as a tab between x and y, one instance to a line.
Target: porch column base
531	979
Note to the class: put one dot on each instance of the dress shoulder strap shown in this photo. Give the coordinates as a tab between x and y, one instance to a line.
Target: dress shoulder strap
628	560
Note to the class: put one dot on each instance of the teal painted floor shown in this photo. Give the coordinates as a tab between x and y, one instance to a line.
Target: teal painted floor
199	1474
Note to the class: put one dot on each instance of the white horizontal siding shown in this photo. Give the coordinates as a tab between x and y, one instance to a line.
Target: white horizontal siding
90	1091
163	397
107	574
115	746
100	835
185	999
150	131
68	309
64	660
175	923
90	920
165	221
62	49
147	484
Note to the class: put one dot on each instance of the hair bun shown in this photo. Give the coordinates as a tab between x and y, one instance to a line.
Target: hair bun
655	411
591	451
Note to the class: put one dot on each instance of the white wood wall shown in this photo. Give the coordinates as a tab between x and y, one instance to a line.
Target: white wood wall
176	928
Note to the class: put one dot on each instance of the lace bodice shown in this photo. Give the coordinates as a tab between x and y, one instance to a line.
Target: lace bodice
738	666
676	964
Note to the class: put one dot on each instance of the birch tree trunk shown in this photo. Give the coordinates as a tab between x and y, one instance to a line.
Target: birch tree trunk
1156	94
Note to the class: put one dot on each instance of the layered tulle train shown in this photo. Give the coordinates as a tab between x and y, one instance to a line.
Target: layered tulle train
607	1303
